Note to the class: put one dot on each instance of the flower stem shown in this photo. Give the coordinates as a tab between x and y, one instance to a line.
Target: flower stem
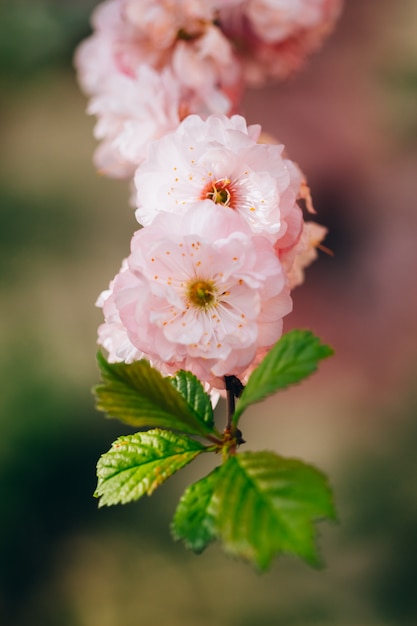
231	433
230	401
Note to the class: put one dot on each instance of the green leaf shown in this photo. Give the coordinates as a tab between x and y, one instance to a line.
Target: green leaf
294	357
139	395
137	464
193	523
265	505
193	392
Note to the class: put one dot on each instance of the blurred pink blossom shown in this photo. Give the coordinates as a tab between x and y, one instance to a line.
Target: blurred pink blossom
131	114
274	37
147	65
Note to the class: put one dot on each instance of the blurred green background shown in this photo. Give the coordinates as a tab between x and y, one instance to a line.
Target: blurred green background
350	120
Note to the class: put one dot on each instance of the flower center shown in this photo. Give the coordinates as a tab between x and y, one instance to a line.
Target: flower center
201	293
219	191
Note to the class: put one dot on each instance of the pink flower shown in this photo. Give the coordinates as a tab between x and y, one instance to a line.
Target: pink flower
220	160
131	114
148	64
208	73
200	293
112	335
95	57
300	256
274	37
276	20
160	21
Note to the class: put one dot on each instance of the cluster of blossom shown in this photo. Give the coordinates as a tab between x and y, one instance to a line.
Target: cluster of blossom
208	279
222	240
150	63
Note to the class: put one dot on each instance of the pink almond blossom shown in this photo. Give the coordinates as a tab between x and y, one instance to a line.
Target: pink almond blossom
274	37
219	159
298	257
147	65
131	114
200	292
112	335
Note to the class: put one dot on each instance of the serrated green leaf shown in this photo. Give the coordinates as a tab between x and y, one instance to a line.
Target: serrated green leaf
137	464
138	395
294	357
193	523
265	505
193	392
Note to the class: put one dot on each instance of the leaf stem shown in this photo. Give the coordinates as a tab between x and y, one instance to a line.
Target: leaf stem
214	439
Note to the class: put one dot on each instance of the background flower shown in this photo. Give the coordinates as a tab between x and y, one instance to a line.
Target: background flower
275	37
146	66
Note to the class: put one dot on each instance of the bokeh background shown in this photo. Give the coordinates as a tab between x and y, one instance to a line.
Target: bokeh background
350	121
